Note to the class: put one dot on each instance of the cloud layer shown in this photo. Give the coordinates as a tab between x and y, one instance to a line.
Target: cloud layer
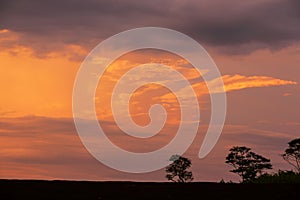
49	148
231	26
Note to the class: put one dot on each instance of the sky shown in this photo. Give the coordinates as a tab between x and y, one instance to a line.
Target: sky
255	44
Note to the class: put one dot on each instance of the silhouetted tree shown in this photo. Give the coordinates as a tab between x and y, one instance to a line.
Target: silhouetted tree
177	170
292	154
246	163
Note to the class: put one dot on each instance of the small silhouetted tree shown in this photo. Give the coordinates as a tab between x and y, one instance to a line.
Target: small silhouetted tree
292	154
246	163
177	170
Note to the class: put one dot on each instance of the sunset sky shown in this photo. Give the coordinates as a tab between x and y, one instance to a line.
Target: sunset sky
255	44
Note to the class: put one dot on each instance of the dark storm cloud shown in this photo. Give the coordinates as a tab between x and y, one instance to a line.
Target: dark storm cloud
233	25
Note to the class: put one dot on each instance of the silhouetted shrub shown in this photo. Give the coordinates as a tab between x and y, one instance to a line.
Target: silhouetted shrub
279	177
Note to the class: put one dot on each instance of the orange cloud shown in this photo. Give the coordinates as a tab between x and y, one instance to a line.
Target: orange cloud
7	36
43	86
234	82
238	82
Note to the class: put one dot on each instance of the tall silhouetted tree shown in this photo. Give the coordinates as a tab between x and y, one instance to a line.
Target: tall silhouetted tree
246	163
177	170
292	154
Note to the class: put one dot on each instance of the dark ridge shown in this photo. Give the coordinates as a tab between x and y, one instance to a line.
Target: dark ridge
60	189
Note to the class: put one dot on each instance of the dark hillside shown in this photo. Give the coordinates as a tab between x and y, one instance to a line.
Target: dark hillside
35	189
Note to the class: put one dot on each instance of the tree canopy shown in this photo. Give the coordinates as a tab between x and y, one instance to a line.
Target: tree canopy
246	163
177	170
292	154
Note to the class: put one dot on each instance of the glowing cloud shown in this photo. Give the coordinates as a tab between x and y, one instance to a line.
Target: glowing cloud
238	82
